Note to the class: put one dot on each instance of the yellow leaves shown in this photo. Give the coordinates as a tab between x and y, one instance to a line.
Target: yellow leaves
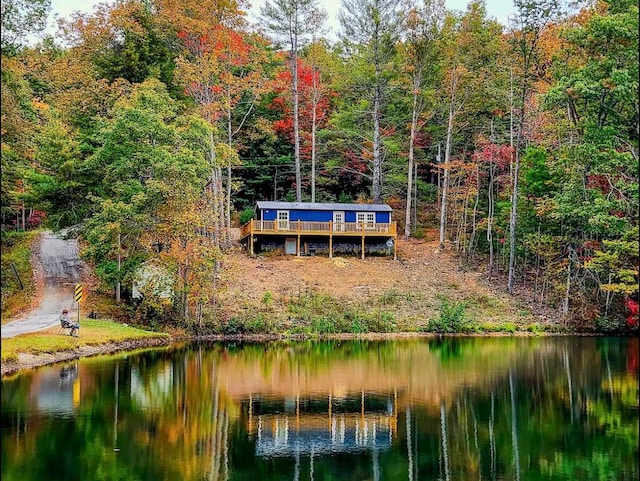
40	105
227	155
199	18
619	288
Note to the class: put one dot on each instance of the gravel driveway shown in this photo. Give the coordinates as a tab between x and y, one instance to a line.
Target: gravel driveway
58	263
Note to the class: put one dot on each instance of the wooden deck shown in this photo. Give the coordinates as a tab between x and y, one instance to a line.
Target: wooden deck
318	228
361	230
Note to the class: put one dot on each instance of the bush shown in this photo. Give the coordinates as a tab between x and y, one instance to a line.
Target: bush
246	215
452	318
610	325
153	312
419	233
323	325
267	299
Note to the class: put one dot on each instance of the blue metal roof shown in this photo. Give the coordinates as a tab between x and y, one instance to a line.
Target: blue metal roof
262	205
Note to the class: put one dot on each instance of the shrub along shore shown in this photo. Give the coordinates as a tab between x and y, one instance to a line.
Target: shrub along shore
99	337
389	313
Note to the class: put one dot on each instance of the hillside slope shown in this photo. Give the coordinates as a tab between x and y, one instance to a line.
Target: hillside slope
411	287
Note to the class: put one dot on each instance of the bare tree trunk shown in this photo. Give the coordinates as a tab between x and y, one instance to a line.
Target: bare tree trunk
377	107
445	181
214	192
296	113
462	223
228	200
314	128
472	238
607	304
513	219
511	124
412	139
220	203
512	224
490	211
377	160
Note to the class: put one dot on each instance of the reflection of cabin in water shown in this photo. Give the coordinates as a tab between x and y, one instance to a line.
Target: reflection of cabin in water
313	426
306	228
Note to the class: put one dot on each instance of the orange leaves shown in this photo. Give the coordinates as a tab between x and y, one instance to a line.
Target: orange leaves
218	67
200	18
313	98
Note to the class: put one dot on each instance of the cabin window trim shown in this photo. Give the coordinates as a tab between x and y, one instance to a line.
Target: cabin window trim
369	219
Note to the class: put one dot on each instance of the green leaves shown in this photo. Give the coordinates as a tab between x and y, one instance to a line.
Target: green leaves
154	172
21	18
617	262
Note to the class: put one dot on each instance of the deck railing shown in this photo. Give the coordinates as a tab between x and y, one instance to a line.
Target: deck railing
318	228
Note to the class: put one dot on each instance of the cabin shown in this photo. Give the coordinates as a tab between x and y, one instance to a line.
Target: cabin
310	228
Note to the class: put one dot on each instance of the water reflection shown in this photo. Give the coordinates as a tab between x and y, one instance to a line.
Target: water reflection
455	408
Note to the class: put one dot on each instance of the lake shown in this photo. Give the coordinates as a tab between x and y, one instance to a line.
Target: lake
453	408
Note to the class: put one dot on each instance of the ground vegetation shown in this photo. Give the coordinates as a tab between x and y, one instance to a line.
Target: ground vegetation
153	126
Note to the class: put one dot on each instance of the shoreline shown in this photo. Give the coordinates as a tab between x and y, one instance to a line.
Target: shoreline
32	361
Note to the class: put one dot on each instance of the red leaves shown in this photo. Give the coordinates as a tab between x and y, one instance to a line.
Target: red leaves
498	154
598	182
306	89
36	218
633	308
196	45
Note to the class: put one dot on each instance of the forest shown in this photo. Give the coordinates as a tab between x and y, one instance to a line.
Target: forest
151	127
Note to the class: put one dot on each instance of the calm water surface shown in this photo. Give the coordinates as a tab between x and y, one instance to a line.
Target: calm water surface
449	409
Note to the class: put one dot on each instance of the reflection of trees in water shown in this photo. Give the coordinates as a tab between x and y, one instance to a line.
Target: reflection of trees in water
485	422
507	408
551	408
189	415
423	372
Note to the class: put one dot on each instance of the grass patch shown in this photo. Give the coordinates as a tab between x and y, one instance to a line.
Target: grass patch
16	250
452	318
322	314
389	297
92	332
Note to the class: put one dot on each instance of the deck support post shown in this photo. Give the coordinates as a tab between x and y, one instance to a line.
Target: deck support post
363	241
395	248
330	239
298	242
251	236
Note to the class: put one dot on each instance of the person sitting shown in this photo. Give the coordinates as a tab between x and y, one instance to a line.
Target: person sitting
67	323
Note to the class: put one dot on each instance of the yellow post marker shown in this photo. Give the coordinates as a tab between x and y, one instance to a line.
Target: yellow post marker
76	390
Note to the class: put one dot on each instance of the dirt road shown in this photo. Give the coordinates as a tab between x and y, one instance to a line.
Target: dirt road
59	269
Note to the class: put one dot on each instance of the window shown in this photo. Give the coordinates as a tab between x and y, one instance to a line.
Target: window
369	219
